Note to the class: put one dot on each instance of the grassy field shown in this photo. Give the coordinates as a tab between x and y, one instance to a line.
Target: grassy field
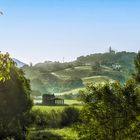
65	133
82	71
57	108
96	79
53	134
48	108
72	102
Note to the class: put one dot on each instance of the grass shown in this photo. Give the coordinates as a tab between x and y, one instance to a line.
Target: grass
71	102
80	72
53	134
65	133
56	108
96	79
48	108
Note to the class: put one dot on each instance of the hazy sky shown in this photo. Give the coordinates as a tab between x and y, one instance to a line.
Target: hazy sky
39	30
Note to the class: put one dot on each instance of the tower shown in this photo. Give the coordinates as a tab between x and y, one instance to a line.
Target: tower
110	49
63	60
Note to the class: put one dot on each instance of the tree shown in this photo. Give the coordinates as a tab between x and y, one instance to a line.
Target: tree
110	112
96	66
137	66
15	102
5	64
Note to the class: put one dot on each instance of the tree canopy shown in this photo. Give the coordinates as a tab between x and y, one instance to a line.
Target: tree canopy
5	64
111	112
137	66
15	102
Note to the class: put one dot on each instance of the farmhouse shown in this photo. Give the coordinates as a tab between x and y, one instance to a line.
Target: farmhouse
116	67
50	99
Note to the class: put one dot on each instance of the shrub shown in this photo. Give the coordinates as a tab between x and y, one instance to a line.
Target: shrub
69	115
54	119
44	119
111	112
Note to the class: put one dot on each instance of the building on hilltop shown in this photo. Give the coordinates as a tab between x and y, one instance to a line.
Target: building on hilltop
110	50
51	100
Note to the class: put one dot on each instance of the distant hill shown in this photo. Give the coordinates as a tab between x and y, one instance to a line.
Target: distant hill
126	59
56	77
19	63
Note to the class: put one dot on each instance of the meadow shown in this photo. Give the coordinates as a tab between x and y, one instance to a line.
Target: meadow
50	118
56	108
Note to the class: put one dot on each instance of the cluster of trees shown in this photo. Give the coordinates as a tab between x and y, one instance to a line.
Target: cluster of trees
112	110
123	58
49	66
15	102
55	118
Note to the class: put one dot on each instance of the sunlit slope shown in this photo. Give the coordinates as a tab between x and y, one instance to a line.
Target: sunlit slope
88	75
56	77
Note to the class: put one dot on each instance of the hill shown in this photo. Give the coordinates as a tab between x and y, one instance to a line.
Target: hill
19	63
56	77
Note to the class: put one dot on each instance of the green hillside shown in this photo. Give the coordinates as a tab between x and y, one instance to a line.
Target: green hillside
56	77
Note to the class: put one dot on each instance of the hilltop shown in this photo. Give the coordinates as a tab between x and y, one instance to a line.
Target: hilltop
56	77
19	63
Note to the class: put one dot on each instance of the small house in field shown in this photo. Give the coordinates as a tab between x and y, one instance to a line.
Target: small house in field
51	100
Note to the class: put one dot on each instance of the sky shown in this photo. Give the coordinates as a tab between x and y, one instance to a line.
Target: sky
40	30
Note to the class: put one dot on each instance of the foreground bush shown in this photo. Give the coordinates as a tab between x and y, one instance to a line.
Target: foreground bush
70	115
55	119
111	112
50	119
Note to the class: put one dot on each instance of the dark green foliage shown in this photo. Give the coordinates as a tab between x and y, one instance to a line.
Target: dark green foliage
123	58
54	119
49	119
111	112
137	66
71	66
15	105
69	116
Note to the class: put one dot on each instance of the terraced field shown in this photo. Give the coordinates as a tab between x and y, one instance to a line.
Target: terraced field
96	79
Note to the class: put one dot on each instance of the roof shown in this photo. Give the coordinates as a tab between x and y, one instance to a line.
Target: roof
54	99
